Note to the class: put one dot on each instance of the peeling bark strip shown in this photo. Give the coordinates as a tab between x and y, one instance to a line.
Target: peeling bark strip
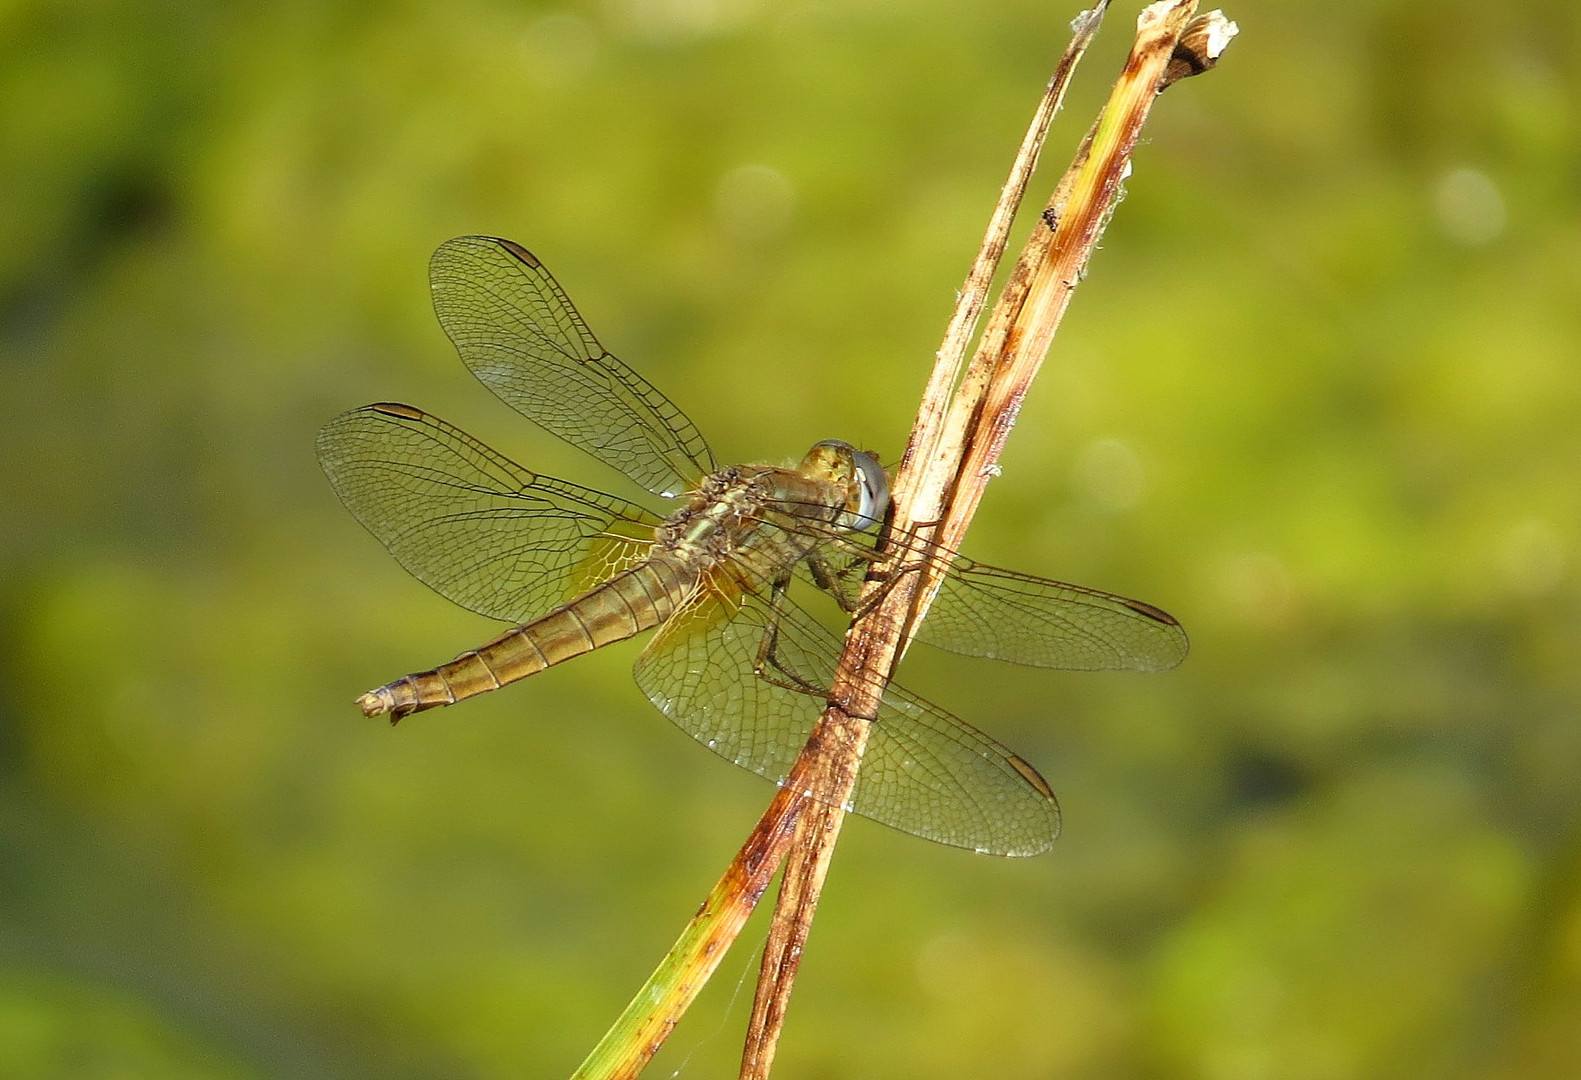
1200	46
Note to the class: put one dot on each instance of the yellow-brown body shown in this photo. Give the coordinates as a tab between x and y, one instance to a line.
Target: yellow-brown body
744	529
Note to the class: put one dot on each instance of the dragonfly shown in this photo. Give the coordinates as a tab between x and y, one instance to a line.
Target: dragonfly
735	660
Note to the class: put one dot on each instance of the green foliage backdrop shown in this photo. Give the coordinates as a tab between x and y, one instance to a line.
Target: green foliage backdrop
1318	397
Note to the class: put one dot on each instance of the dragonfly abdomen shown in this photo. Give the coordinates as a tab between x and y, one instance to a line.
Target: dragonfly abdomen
627	604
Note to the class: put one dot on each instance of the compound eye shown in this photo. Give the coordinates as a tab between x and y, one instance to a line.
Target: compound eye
874	489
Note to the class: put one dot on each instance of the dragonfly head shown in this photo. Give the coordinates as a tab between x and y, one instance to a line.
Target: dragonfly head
866	483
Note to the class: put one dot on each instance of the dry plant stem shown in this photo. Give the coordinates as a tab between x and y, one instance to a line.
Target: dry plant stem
637	1035
942	486
929	492
819	827
1034	299
969	303
640	1031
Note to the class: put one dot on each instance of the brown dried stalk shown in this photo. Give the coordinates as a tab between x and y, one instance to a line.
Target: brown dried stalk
803	880
955	446
949	459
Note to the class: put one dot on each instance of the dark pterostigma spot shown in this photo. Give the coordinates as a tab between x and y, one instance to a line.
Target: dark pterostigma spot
1156	614
519	252
395	408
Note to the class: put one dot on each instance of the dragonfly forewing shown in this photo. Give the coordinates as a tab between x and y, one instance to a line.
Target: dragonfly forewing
998	614
1003	615
518	332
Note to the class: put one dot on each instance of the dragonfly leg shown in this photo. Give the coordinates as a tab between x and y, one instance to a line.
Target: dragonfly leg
767	666
836	581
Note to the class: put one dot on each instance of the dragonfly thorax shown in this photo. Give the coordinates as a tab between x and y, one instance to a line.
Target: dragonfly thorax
718	515
772	517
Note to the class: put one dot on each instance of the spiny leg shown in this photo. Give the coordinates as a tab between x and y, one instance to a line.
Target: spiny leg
836	580
768	654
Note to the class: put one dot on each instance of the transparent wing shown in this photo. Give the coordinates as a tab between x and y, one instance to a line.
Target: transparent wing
924	771
1004	615
470	523
1000	614
517	331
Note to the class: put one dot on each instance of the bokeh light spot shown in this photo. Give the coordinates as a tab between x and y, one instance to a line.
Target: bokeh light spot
1530	557
1108	472
1470	207
754	202
663	21
1255	586
559	49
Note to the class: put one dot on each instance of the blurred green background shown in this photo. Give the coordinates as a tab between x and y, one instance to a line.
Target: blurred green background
1318	397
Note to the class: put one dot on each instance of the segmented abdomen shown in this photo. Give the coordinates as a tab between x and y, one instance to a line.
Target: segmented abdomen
627	604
